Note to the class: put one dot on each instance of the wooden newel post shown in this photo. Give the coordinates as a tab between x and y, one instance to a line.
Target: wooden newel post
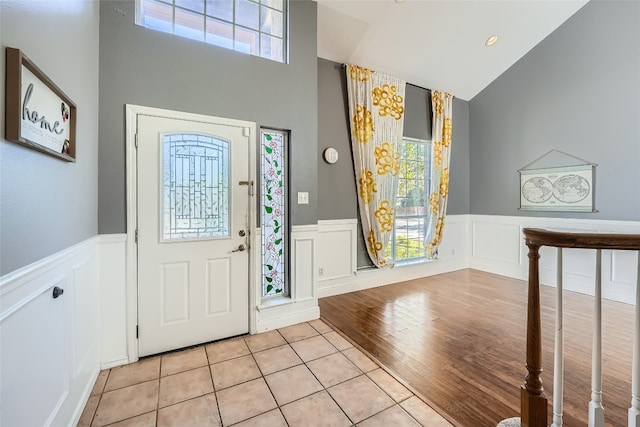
533	402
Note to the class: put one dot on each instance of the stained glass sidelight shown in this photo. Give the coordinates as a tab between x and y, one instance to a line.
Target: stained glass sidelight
273	207
195	187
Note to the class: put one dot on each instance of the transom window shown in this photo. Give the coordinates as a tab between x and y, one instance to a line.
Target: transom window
256	27
412	204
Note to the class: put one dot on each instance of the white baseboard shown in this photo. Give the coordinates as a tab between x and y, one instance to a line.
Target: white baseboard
489	243
108	364
287	318
373	278
454	255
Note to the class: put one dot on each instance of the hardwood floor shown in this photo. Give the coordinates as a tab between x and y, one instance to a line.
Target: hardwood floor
459	340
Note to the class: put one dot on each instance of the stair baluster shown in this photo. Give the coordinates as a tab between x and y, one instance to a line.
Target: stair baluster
558	361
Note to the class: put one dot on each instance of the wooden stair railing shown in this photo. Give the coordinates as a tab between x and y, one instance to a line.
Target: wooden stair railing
533	409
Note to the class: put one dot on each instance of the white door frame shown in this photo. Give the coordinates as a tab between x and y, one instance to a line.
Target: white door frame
132	113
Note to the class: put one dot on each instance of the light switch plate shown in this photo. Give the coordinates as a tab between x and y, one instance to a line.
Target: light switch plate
303	198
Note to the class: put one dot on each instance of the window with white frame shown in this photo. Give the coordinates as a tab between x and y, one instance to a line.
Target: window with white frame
412	204
256	27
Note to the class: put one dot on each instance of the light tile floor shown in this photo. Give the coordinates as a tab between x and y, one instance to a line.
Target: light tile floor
302	375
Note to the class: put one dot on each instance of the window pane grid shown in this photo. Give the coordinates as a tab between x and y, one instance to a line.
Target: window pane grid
256	27
410	221
195	187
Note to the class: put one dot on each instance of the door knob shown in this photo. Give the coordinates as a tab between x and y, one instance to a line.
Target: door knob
57	292
240	248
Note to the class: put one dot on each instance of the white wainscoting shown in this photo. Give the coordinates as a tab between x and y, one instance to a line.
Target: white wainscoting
323	263
337	257
497	246
113	297
337	249
50	348
302	304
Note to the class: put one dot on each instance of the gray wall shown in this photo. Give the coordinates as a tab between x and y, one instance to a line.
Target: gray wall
336	183
577	91
458	203
47	204
146	67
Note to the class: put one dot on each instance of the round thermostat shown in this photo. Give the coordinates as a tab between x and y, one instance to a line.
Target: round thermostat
331	155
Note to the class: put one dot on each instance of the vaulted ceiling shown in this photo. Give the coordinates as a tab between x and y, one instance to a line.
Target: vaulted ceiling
437	44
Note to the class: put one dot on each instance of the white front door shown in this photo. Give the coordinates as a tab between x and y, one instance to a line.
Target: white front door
193	204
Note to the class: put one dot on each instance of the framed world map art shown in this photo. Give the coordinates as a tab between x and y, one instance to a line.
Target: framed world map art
563	188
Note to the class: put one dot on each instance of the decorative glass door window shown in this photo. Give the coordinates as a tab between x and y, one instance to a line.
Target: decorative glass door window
273	207
195	187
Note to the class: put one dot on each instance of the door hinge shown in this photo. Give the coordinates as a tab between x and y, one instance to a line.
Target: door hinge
137	331
136	237
135	138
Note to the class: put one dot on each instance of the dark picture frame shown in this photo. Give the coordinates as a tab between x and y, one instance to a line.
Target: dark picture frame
26	122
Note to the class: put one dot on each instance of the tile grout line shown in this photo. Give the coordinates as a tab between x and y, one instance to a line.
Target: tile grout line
397	377
323	387
95	412
263	376
213	384
366	374
326	389
265	379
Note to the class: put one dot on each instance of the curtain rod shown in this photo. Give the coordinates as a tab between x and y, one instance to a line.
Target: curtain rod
343	66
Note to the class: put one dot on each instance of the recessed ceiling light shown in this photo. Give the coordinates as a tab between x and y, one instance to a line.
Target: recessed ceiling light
399	1
491	40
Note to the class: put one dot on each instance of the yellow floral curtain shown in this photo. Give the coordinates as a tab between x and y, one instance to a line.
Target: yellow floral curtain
376	111
441	131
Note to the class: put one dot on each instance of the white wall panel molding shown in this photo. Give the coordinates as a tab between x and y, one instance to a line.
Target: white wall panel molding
453	255
52	341
337	244
281	317
113	300
302	303
495	241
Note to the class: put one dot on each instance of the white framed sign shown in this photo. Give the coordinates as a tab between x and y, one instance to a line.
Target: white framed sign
38	114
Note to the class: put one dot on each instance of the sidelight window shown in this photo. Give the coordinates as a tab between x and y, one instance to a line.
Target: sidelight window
273	211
